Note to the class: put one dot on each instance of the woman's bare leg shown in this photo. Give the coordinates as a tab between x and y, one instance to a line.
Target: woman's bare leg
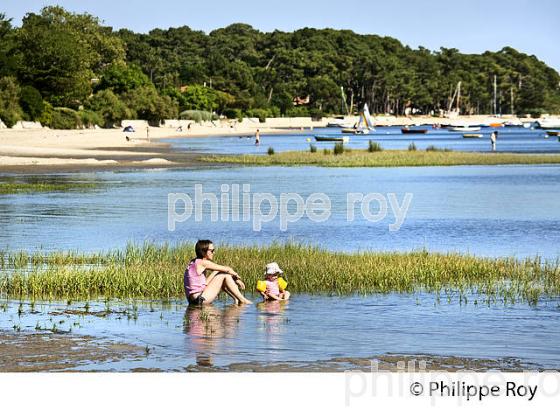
213	288
218	282
231	286
235	300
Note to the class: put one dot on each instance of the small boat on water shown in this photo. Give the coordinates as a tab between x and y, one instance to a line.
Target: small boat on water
553	133
339	122
406	130
363	126
548	123
355	131
324	138
472	135
464	129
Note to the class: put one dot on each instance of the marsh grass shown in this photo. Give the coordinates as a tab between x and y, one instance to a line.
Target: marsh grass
156	272
386	158
338	148
374	146
7	188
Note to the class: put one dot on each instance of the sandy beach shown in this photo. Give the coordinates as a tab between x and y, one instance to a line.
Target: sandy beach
46	150
38	150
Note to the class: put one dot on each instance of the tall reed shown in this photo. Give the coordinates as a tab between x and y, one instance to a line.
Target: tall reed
156	271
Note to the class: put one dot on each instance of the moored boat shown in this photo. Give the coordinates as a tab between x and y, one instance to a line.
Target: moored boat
406	130
355	130
553	133
464	129
320	138
472	135
548	123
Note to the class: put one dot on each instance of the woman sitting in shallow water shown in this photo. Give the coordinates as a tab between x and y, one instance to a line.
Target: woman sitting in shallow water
200	289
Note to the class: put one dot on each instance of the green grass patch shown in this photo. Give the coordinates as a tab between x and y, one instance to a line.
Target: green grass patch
156	272
7	188
387	158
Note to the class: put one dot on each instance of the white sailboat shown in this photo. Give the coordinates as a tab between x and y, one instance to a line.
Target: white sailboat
364	125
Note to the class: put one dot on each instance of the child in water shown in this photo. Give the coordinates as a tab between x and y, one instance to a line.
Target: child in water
273	290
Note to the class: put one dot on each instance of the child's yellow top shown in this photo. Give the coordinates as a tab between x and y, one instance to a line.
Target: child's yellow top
261	285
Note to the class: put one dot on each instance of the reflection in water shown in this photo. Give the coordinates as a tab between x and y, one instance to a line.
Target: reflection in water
206	325
272	319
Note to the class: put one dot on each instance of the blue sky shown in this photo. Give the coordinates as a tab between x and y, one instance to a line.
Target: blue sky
472	26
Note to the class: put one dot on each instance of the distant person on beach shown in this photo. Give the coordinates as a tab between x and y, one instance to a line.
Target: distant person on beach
272	288
200	289
148	133
189	127
493	138
257	137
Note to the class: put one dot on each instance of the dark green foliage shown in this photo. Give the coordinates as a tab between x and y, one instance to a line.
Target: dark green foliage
374	146
312	148
316	114
197	116
338	148
233	113
65	119
31	102
10	111
147	104
62	51
8	54
121	78
433	148
238	70
109	107
270	151
89	119
259	113
412	146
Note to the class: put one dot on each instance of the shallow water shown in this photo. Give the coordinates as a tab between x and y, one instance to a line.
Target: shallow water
510	139
307	328
485	210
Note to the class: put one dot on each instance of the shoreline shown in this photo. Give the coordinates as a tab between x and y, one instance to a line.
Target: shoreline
42	150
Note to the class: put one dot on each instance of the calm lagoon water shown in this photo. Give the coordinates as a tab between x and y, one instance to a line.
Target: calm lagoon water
491	211
510	139
312	328
494	211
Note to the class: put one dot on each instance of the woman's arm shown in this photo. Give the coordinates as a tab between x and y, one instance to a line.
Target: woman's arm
220	268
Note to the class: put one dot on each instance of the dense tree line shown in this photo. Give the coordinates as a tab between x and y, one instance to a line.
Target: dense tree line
67	69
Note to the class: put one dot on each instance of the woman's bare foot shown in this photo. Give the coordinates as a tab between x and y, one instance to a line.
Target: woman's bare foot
246	301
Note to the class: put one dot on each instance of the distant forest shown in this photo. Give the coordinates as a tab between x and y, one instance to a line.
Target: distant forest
66	69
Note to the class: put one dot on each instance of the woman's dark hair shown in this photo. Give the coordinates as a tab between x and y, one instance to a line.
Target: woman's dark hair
201	248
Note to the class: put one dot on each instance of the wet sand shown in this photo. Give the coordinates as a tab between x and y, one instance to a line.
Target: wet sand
388	362
52	352
48	352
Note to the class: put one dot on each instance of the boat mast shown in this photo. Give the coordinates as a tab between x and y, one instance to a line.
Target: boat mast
511	96
495	88
344	100
458	98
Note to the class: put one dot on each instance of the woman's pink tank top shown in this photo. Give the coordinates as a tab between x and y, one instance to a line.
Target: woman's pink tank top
193	282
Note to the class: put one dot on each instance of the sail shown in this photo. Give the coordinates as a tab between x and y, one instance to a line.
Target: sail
368	121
